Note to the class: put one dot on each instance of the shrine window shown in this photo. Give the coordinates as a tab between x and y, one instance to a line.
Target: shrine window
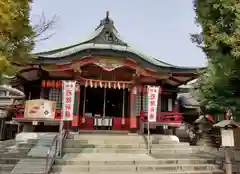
55	94
166	102
139	103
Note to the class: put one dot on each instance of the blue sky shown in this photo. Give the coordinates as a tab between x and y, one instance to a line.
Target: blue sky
160	28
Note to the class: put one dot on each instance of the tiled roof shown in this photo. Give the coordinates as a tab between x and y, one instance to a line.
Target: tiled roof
90	43
186	99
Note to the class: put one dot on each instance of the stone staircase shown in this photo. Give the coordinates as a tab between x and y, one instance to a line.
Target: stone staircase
27	155
10	154
35	160
118	154
163	146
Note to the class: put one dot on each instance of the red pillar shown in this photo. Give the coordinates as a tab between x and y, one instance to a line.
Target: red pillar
133	111
159	104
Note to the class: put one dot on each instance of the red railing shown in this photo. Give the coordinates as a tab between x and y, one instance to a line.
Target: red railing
163	117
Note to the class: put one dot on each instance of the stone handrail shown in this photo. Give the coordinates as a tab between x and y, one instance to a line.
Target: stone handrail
63	136
54	146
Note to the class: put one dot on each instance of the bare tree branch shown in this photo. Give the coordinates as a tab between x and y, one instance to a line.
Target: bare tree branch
43	26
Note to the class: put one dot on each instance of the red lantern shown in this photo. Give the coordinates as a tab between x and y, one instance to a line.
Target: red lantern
49	84
57	84
53	83
43	83
60	83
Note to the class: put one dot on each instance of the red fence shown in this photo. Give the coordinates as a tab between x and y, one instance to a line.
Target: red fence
173	118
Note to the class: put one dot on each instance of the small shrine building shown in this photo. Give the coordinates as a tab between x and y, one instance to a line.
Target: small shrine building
112	79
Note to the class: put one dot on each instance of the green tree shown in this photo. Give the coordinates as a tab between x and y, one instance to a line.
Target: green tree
16	35
219	84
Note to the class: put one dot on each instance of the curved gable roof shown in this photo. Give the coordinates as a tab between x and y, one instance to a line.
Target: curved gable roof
105	37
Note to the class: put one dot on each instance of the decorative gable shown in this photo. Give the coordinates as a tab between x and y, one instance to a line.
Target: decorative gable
109	34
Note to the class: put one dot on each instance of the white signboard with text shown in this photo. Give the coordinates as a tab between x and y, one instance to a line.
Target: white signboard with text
152	102
227	138
68	100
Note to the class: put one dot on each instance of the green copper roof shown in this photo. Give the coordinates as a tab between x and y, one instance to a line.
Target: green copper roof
99	40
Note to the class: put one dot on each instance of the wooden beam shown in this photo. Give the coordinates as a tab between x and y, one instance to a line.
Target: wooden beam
176	80
185	74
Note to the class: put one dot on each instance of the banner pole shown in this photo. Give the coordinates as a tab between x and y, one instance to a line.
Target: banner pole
149	145
60	137
61	124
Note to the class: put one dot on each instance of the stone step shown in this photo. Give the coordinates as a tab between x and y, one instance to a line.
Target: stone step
86	144
13	155
103	135
14	148
6	167
9	160
30	166
134	162
132	168
163	142
68	144
109	141
162	172
103	150
79	143
109	132
39	151
131	150
171	150
107	138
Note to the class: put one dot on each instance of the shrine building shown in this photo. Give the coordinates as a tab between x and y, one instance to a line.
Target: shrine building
112	79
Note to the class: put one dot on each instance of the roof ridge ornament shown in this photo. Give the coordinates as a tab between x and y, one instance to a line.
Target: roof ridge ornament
106	22
107	16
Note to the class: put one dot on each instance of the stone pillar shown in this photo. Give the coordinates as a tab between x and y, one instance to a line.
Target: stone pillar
28	128
76	116
2	125
133	112
205	140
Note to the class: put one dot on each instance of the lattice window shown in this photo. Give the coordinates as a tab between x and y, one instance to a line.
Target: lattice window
55	94
145	103
138	104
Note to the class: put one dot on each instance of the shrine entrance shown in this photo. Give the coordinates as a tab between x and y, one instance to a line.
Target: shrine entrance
104	108
104	95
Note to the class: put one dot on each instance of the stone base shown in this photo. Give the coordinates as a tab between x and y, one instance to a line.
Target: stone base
133	130
28	128
75	129
205	140
159	130
164	138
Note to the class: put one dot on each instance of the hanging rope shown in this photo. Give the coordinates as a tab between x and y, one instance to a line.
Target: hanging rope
107	84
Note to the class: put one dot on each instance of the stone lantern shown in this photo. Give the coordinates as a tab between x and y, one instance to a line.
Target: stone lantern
227	128
204	126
